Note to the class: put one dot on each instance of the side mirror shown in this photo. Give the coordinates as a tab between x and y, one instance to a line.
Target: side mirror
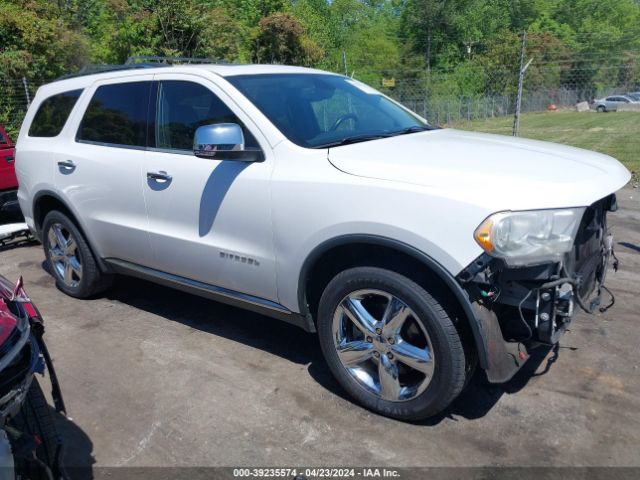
224	141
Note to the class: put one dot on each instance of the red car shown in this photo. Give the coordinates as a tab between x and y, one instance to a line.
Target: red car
9	208
30	447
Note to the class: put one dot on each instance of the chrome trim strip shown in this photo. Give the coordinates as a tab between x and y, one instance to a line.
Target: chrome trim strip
196	285
111	145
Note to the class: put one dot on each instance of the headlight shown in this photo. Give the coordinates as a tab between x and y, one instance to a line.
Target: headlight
528	237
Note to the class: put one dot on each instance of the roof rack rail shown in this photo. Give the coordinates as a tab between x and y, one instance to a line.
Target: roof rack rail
92	69
140	61
171	60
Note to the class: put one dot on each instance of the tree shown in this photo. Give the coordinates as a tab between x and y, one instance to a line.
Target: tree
426	23
35	43
280	38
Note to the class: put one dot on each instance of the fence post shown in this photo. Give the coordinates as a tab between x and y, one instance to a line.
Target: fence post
26	91
516	117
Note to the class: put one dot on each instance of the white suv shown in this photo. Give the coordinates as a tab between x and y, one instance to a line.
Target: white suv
415	252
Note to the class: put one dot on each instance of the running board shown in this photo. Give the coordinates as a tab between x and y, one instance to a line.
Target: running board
212	292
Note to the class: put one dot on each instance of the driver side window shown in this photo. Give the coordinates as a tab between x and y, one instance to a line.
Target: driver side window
182	107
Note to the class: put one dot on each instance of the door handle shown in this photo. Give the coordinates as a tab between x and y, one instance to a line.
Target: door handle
67	164
160	176
9	158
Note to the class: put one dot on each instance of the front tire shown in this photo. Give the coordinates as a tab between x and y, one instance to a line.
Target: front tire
390	344
71	261
601	109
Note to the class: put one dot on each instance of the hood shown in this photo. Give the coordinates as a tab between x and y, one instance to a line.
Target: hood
499	171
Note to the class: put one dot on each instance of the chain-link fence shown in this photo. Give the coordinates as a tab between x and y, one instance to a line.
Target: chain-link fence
483	92
469	92
15	96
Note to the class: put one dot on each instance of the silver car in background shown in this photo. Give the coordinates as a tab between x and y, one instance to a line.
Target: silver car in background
612	102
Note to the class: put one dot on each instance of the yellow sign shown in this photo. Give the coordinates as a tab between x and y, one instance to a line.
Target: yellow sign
389	82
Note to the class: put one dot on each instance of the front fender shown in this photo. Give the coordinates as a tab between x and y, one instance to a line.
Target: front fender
479	336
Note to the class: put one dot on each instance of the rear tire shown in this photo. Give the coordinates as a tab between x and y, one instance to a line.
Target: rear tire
72	263
424	326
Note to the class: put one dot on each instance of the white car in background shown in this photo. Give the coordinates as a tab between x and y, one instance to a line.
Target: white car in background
415	252
612	102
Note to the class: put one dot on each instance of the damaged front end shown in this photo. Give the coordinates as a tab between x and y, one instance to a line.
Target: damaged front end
521	304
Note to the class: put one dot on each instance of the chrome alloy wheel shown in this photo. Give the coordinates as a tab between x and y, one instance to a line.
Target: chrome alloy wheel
64	255
382	345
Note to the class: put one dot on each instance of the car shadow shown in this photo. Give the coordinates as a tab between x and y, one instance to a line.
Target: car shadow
214	191
630	246
293	344
480	396
252	329
77	448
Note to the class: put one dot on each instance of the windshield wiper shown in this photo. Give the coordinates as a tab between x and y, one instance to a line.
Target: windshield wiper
375	136
413	129
353	139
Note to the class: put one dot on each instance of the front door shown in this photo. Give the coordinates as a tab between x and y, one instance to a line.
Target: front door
209	220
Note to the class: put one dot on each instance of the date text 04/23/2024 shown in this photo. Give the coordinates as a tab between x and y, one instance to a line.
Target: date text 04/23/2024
311	473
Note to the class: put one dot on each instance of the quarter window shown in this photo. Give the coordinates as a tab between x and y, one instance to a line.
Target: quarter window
53	113
117	115
182	107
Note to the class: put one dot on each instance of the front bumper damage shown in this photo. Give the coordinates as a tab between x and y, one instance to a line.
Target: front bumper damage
521	308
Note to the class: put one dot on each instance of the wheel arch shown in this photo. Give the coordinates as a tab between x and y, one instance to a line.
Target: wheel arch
46	201
347	251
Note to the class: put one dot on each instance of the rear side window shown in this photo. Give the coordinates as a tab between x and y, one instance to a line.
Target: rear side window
53	113
2	139
117	115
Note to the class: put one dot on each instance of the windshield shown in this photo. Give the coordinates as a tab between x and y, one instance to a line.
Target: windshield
318	111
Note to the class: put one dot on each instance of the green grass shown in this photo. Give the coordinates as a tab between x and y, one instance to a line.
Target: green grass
616	134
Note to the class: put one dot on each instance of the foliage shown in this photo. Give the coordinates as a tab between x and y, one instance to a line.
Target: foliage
280	38
34	42
41	38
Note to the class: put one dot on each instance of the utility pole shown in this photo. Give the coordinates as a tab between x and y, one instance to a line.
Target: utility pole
344	62
516	117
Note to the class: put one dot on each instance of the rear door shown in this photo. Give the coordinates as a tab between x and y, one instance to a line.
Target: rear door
98	171
209	219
